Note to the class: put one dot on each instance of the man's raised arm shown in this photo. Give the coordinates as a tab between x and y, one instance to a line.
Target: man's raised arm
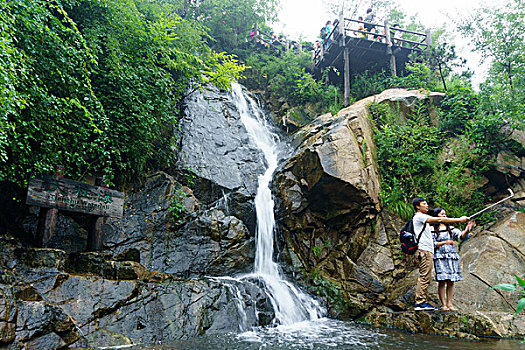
445	220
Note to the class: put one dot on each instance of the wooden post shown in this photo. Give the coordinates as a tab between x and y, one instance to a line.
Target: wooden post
347	76
346	59
393	64
428	38
47	219
95	229
389	52
342	40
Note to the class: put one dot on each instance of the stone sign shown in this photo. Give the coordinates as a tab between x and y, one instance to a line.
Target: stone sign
64	194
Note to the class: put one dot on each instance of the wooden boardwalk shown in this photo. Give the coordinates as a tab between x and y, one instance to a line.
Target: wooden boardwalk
351	54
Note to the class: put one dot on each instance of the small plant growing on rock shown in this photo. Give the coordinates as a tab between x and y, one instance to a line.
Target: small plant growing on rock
176	208
329	290
318	249
512	287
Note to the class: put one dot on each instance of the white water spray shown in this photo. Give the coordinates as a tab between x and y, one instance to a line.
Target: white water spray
290	304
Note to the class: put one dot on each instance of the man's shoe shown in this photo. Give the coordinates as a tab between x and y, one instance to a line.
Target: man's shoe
424	306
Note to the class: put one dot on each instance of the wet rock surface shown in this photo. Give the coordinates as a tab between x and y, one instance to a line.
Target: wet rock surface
216	146
452	324
198	242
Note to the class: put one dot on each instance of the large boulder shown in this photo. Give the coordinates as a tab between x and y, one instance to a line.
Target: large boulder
329	200
216	147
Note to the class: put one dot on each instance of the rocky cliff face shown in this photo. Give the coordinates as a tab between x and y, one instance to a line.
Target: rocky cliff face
335	235
152	283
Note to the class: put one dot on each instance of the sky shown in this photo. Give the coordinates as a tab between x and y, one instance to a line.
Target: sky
304	18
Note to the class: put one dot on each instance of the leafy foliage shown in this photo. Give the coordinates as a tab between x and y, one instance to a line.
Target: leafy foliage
520	285
459	105
94	85
291	80
176	208
407	156
54	116
498	34
416	158
229	20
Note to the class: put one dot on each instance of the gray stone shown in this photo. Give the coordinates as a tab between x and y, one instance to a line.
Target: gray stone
210	242
42	257
215	144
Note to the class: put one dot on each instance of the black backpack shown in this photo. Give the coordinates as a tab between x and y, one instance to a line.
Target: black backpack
407	236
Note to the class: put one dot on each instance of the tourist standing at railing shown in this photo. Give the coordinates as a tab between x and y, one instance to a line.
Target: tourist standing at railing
361	27
317	47
253	36
328	39
328	27
381	38
370	19
323	35
398	35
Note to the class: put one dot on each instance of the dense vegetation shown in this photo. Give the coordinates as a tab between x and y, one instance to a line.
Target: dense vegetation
94	84
446	159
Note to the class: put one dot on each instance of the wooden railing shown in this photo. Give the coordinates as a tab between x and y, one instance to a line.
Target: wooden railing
420	42
270	41
420	45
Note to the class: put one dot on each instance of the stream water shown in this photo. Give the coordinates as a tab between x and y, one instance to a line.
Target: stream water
325	334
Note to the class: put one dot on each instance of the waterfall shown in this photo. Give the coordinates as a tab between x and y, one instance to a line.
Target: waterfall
289	303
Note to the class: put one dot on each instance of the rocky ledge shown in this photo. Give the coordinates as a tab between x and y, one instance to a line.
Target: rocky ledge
52	300
448	323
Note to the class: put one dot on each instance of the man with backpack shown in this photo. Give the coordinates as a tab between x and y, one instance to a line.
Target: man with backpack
425	251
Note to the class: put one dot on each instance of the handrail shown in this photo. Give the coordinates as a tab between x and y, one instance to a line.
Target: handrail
411	42
365	32
382	26
416	43
387	38
358	21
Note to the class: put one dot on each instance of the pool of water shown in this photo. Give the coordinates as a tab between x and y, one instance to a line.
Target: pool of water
332	334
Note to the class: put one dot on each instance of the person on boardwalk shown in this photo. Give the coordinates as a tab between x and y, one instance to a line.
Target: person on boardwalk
361	27
425	254
398	34
446	259
370	18
328	39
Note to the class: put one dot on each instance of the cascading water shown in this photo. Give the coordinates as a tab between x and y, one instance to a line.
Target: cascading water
290	304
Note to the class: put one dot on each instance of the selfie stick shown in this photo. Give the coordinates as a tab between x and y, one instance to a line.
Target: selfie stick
492	205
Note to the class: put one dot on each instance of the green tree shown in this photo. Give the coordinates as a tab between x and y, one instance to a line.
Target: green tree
443	58
289	78
94	85
498	34
230	21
